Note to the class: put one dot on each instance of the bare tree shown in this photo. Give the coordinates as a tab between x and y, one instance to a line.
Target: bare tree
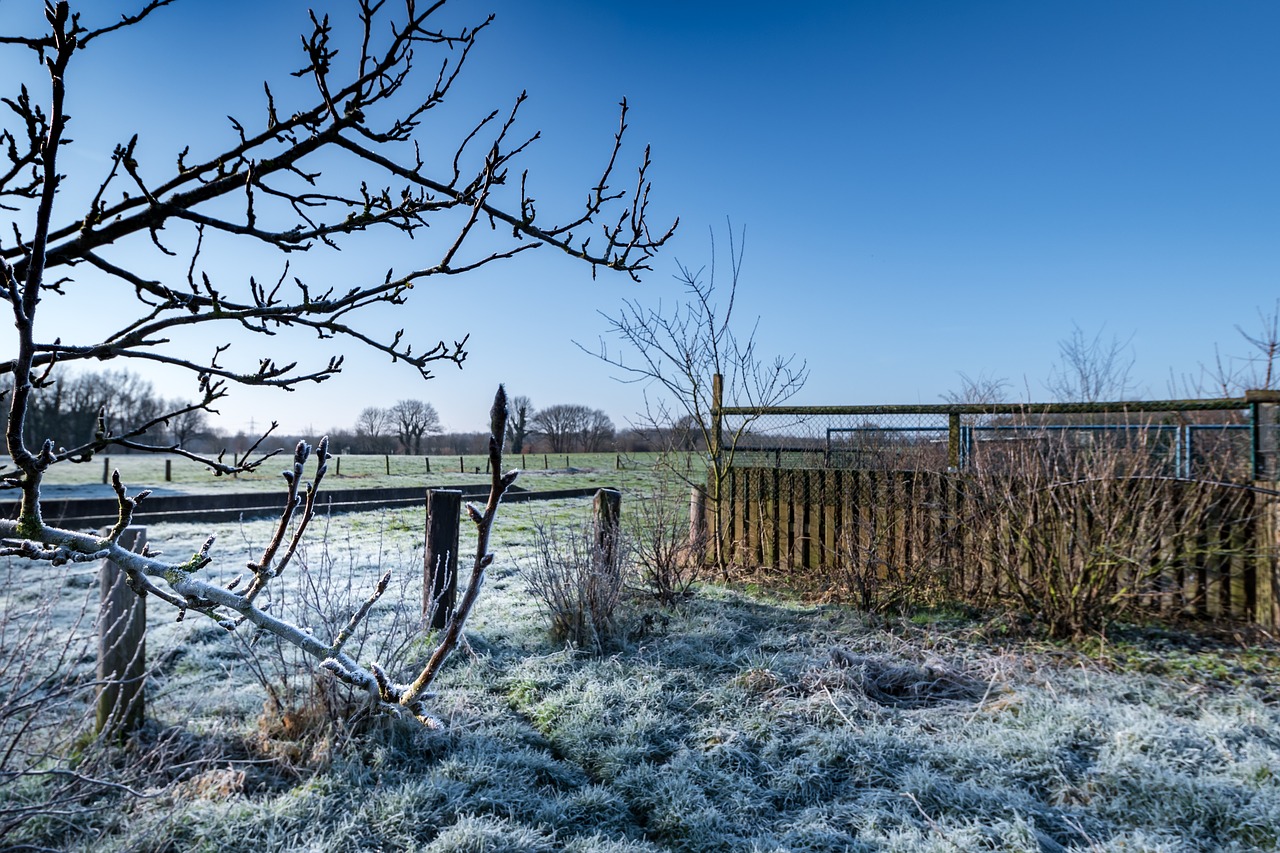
191	424
980	389
412	419
1257	369
373	430
518	426
685	352
597	432
1091	370
311	172
562	425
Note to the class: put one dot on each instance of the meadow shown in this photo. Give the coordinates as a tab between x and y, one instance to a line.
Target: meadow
540	471
733	720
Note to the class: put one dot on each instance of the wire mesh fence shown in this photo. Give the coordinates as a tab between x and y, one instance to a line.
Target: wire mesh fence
1193	439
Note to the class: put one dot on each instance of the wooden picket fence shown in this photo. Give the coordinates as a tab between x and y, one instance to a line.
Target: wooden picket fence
819	528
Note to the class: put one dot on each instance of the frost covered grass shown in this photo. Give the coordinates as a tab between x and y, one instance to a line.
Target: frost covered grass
545	472
733	722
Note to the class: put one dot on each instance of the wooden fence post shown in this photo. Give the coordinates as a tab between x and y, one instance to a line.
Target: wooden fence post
462	469
427	459
387	458
106	470
338	466
697	525
607	510
1265	410
440	561
953	441
168	470
122	649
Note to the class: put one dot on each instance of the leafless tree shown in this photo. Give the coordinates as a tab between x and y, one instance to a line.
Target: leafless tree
412	419
980	389
187	426
1257	369
1091	370
518	426
598	432
373	430
562	425
681	351
309	173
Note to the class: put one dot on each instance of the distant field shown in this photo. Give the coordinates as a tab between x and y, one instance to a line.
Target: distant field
540	472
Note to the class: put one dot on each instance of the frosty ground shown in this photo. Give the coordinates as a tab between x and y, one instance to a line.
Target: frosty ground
735	721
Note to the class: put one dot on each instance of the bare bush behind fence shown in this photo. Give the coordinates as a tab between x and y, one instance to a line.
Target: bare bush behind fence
1080	513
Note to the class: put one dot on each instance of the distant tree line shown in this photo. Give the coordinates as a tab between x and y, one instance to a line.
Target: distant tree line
69	408
413	427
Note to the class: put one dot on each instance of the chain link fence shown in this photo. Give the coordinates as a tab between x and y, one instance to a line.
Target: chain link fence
1189	439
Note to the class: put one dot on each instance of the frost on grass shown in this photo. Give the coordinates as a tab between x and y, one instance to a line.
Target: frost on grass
733	724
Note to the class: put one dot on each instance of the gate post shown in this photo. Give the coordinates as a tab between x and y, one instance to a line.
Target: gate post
122	648
440	557
1265	410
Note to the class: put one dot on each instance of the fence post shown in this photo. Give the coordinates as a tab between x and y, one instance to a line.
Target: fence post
106	470
386	457
1265	420
953	441
168	470
461	466
427	459
440	561
122	648
697	525
607	510
337	466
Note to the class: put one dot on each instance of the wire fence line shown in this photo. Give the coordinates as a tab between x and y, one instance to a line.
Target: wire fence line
1191	439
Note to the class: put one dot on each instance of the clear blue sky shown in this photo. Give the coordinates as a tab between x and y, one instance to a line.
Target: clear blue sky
927	187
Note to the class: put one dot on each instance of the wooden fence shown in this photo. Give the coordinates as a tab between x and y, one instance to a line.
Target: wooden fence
838	530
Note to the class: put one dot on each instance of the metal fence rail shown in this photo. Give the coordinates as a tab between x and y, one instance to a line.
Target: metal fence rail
1195	439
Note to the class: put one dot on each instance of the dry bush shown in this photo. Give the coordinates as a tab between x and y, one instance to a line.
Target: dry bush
872	569
580	592
666	549
306	707
1081	532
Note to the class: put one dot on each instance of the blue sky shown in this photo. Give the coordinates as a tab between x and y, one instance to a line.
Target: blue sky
927	187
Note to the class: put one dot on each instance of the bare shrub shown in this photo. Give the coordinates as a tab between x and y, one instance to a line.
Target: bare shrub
309	708
46	696
666	549
874	572
580	592
1082	534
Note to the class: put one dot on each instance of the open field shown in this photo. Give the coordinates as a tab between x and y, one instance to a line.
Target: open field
734	722
543	472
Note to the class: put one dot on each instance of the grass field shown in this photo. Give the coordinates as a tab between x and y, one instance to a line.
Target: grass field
734	722
539	472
